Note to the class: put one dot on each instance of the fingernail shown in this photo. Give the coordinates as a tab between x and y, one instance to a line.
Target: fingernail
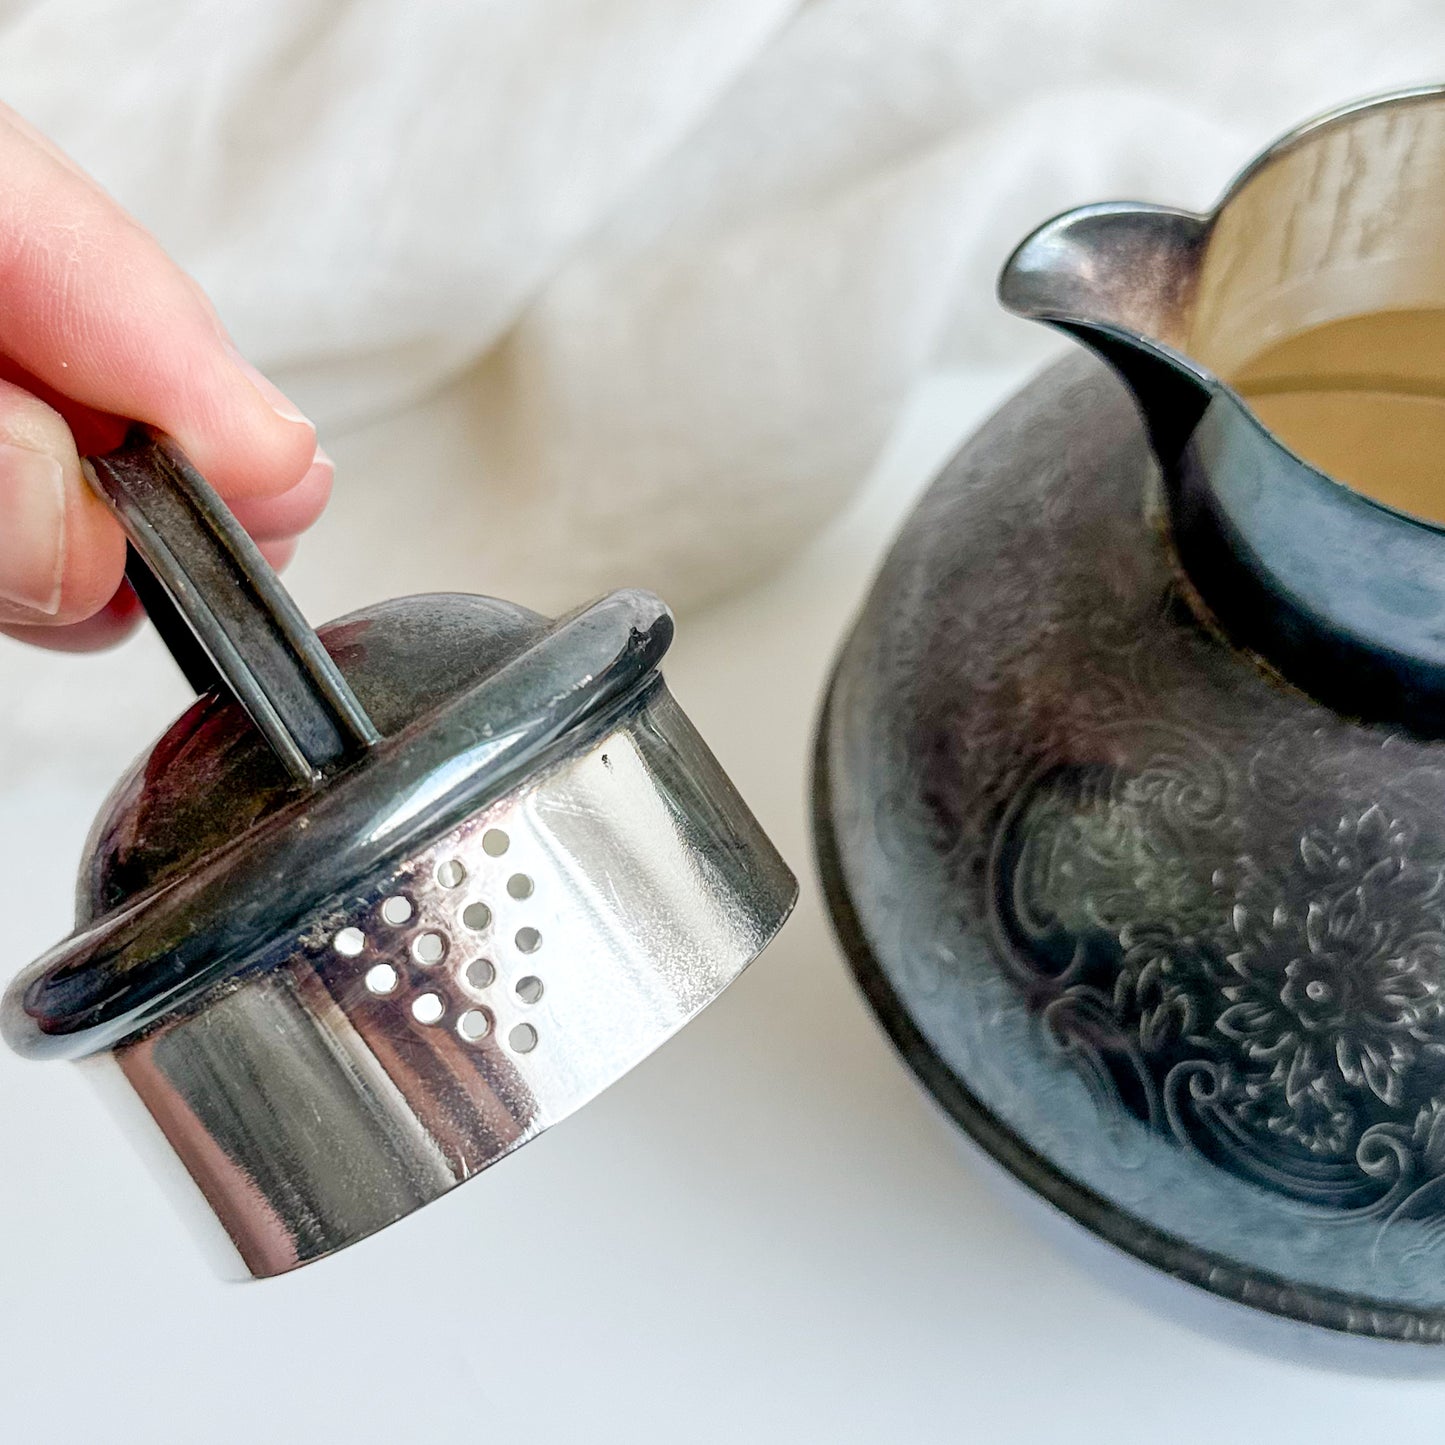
320	474
32	529
275	398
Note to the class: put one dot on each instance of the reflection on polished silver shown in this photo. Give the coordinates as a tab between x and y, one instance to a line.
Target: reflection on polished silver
488	868
1341	217
313	1106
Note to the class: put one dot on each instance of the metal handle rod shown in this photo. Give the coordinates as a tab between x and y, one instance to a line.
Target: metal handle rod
223	612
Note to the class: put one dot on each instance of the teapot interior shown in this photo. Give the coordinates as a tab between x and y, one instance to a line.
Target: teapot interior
1320	297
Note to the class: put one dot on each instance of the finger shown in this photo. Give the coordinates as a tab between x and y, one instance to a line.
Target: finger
112	624
91	305
120	616
61	553
270	518
279	553
276	523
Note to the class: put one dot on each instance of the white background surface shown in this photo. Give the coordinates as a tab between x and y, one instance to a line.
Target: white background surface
762	1234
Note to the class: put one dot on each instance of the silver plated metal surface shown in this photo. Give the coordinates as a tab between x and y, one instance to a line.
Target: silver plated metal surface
391	898
1150	894
408	1033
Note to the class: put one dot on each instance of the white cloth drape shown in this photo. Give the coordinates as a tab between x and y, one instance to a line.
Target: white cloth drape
676	262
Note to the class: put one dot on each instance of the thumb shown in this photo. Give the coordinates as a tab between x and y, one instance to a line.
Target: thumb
61	555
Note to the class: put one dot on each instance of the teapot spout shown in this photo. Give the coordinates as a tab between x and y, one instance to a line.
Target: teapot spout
1340	594
1120	278
1122	264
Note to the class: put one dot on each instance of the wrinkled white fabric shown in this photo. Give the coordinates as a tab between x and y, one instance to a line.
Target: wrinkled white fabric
709	243
673	264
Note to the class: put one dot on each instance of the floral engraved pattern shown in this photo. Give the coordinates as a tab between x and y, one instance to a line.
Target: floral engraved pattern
1343	991
1303	1002
1073	821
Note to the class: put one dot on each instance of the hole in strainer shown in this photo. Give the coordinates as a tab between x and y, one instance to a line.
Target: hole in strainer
475	1024
451	874
495	842
427	1008
381	979
428	948
477	916
396	910
528	940
480	973
523	1038
529	989
349	942
519	885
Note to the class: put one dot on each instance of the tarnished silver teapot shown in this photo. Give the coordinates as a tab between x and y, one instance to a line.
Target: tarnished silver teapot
1131	780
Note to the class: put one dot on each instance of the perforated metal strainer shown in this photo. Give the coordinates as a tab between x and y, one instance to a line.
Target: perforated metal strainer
390	899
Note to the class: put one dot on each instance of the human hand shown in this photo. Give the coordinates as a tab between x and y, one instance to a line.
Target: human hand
98	327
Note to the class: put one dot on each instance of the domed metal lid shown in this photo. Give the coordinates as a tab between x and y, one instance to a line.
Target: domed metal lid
174	906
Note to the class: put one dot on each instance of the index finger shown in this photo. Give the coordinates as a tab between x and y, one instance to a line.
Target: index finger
92	306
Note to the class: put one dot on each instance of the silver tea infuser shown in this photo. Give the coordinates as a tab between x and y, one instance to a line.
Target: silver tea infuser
392	897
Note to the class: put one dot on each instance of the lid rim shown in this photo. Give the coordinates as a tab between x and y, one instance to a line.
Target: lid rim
141	961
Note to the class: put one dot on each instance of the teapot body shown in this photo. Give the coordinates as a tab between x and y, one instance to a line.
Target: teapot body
1163	932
